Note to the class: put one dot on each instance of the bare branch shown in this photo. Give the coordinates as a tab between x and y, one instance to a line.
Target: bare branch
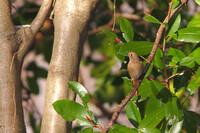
41	16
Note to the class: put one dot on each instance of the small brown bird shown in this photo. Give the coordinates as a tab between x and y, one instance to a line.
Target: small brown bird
135	67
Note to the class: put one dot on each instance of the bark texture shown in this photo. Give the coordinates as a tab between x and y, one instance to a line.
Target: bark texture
14	44
71	18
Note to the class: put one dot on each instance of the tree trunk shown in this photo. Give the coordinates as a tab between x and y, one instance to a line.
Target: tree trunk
71	18
14	44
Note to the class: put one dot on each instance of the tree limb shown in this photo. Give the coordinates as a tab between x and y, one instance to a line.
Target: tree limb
41	16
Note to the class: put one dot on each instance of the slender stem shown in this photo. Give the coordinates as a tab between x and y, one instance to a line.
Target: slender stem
185	100
114	15
153	65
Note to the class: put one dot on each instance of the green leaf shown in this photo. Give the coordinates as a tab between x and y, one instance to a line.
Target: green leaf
108	33
153	119
83	122
175	4
81	91
139	47
192	87
70	110
174	25
145	90
172	108
152	19
152	104
157	59
195	22
198	2
128	82
191	35
195	55
176	127
127	29
198	73
87	130
122	129
188	61
175	55
119	56
133	113
150	130
159	90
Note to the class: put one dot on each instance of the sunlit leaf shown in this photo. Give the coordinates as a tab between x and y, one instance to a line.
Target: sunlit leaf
151	19
176	127
157	60
191	35
198	2
70	110
87	130
153	118
175	4
108	33
195	55
81	91
174	25
149	130
127	29
192	87
195	22
128	82
133	113
83	122
188	61
122	129
145	90
152	104
139	47
172	108
176	55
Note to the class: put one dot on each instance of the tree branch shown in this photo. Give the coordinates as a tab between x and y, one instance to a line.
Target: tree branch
151	56
26	34
41	16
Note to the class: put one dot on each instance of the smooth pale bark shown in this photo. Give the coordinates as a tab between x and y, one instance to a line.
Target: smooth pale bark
14	44
71	18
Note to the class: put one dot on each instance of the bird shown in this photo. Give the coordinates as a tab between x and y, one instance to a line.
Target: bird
135	67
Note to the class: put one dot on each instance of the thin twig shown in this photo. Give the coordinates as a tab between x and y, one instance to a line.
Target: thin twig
174	76
114	12
110	23
153	65
118	110
163	50
151	56
185	100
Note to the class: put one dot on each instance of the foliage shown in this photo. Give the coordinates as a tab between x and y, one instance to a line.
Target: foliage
159	107
156	109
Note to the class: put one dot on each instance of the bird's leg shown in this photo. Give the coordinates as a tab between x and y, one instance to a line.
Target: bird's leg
134	86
